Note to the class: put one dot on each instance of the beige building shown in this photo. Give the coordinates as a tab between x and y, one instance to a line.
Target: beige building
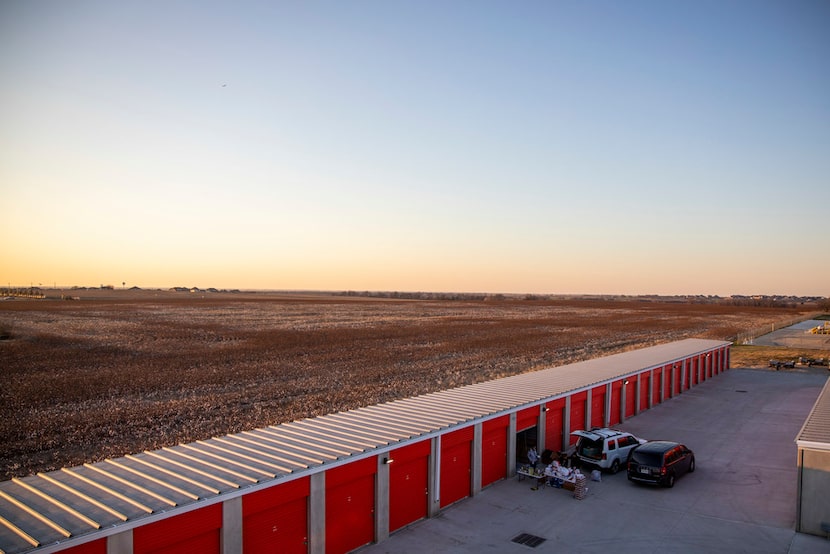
813	515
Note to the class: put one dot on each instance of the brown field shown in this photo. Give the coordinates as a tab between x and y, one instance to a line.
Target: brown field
120	373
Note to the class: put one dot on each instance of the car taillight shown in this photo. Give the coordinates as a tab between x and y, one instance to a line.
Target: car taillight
663	470
604	455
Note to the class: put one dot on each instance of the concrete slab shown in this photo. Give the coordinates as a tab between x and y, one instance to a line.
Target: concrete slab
741	426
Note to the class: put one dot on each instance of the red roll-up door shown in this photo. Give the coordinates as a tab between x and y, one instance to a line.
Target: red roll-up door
527	418
631	396
553	424
645	384
196	531
687	380
678	374
350	505
276	519
616	402
668	371
93	547
577	414
494	450
656	380
456	465
598	406
408	484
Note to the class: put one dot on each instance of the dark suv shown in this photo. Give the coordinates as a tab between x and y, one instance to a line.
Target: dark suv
660	462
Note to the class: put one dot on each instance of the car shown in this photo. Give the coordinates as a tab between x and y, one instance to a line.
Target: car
660	462
778	364
605	448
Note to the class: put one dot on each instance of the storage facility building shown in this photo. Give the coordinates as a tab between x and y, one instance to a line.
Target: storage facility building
813	441
334	483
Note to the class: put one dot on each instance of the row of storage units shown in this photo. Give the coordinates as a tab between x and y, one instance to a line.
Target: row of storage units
337	482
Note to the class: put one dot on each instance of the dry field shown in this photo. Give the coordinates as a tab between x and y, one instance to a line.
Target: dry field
102	377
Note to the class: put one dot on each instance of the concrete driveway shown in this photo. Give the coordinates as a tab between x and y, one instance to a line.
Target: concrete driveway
741	426
796	336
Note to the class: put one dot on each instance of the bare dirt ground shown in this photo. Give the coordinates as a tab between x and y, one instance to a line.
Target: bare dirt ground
117	373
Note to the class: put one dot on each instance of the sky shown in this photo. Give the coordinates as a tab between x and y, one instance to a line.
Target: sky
556	147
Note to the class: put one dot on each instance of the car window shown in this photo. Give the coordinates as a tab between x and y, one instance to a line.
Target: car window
628	441
646	458
612	444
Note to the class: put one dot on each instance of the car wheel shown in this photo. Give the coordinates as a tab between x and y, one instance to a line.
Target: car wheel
692	465
615	466
670	480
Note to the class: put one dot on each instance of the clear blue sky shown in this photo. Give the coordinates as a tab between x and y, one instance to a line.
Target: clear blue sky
551	147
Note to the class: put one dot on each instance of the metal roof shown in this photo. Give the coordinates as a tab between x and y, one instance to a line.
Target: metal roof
815	433
116	494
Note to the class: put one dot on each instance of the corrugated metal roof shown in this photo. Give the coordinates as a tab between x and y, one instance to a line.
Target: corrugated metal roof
815	433
115	494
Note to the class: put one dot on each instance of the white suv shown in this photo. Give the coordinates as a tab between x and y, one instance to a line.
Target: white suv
606	448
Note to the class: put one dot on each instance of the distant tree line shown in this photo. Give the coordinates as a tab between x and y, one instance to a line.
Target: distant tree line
735	300
22	292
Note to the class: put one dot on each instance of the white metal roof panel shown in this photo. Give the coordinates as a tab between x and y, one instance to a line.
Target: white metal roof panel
48	508
815	433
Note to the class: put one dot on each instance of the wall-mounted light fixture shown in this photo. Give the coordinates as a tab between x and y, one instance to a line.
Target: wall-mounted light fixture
388	461
625	382
544	408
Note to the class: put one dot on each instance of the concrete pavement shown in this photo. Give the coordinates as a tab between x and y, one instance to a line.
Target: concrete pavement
742	497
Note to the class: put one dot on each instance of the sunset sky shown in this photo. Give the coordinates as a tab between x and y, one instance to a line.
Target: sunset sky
642	147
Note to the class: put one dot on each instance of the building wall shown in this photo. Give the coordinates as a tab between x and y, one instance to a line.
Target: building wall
813	484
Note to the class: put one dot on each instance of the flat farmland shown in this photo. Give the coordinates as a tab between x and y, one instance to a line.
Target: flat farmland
123	372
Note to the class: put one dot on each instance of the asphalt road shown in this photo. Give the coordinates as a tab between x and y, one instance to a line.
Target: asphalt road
796	336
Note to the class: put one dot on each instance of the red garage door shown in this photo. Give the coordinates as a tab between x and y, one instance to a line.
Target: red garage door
408	484
456	459
631	396
667	378
527	418
656	381
598	406
196	531
645	385
553	424
577	414
94	547
350	505
678	374
494	450
276	519
616	402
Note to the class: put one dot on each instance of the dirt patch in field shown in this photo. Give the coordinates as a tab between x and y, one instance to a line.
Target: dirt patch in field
90	379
